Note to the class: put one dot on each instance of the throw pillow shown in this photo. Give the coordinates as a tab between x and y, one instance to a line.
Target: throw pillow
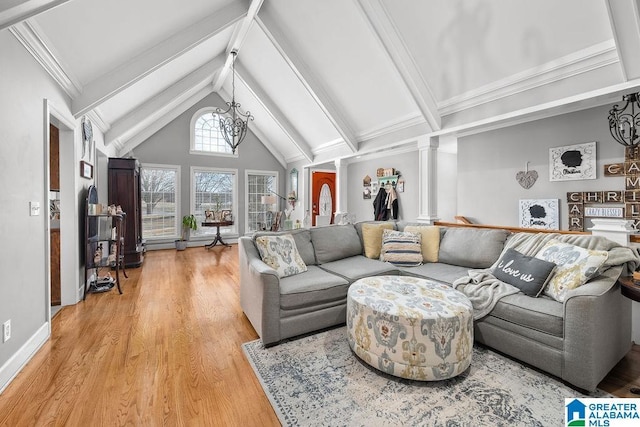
526	273
575	266
372	238
401	248
281	254
430	236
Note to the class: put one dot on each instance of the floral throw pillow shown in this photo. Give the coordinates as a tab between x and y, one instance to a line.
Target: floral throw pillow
575	266
281	254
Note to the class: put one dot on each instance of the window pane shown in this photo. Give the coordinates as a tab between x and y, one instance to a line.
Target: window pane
158	193
208	136
259	215
212	191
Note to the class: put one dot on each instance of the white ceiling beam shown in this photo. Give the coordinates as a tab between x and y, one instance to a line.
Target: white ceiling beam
386	31
12	13
111	83
310	83
236	42
156	107
276	114
167	118
625	24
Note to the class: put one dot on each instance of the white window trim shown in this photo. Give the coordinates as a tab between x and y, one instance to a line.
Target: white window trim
233	231
192	136
248	172
178	170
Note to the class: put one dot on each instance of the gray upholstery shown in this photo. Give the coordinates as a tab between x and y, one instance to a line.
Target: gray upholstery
335	242
438	271
359	266
579	340
314	286
471	247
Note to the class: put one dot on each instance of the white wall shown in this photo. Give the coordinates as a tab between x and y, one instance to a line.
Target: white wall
24	293
487	165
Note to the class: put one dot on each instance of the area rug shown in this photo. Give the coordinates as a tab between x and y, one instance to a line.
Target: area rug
318	380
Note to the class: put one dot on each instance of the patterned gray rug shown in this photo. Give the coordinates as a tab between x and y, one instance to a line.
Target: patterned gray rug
317	380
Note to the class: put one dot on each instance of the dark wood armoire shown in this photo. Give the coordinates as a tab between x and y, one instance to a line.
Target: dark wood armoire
124	190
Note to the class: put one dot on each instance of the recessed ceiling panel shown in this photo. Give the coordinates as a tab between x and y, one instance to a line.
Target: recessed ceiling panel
461	45
275	78
165	76
95	36
339	46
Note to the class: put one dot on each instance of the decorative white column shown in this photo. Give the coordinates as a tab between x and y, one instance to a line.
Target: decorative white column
619	230
341	186
428	179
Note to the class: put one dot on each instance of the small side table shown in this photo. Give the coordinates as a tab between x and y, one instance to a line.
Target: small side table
630	288
218	238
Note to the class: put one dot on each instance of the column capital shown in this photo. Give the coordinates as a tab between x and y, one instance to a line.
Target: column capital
426	142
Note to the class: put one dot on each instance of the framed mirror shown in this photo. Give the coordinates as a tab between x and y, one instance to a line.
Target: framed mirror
293	182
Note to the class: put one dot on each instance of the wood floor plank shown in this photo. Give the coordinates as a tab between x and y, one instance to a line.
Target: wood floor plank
166	352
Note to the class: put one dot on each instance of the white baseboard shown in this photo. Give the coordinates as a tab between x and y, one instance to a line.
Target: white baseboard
14	365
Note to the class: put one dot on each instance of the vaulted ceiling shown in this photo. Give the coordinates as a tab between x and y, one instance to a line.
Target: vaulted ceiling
332	78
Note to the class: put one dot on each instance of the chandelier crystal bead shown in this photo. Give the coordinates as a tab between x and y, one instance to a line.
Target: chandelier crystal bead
233	122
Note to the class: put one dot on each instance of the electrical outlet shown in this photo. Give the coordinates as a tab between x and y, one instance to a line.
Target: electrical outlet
6	331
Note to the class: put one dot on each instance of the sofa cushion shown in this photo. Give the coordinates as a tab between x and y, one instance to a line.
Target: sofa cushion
441	272
526	273
335	242
313	287
359	266
280	253
401	248
372	238
542	314
430	240
302	238
471	247
575	266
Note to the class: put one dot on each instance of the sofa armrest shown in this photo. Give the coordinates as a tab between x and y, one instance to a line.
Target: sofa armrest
597	330
259	292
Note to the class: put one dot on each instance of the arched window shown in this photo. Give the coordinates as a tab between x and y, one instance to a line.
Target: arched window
206	135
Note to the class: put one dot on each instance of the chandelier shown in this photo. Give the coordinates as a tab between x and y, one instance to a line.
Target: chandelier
623	124
233	122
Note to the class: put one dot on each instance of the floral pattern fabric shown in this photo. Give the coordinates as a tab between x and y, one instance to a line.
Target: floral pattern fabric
410	328
281	254
574	267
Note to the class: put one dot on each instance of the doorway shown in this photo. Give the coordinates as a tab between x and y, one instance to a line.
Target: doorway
323	197
54	215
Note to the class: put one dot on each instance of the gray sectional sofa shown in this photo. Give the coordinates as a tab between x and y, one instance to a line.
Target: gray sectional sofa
578	341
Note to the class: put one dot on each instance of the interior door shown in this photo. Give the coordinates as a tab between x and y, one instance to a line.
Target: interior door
323	195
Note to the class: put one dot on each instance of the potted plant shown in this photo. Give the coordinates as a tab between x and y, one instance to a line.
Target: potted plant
188	223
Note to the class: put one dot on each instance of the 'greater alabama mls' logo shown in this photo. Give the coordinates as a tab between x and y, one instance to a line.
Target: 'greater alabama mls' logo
576	413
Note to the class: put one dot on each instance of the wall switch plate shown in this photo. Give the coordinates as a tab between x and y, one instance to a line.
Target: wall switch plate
6	331
34	208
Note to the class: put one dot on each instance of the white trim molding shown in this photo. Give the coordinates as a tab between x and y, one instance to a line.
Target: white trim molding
14	365
583	61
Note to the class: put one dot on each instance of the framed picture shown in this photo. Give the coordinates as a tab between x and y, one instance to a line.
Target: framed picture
572	162
366	192
227	216
539	213
374	188
86	169
400	186
208	216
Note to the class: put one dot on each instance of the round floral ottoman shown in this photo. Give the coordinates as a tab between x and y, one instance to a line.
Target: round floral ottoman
410	328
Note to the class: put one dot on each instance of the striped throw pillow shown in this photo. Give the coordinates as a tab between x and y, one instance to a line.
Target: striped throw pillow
401	248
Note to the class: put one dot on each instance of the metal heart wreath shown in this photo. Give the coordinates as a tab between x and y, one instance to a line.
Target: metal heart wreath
527	178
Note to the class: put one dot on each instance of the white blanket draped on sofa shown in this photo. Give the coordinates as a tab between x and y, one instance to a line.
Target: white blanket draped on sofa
484	290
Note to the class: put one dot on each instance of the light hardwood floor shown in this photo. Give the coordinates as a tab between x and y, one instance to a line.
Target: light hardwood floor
166	352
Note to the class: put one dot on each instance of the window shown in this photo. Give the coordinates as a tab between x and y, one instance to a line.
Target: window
213	189
260	183
206	134
159	192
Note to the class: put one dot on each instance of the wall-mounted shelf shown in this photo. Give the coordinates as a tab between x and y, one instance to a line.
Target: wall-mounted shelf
384	180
